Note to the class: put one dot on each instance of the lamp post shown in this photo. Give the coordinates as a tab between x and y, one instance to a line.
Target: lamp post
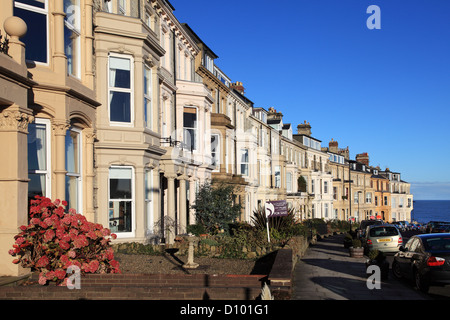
359	192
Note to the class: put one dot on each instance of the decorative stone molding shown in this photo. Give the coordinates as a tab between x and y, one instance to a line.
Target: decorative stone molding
90	135
15	120
60	127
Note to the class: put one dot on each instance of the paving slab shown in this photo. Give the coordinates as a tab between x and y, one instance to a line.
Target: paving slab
327	272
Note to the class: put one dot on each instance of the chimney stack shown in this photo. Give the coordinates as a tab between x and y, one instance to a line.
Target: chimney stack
363	158
304	128
239	86
333	146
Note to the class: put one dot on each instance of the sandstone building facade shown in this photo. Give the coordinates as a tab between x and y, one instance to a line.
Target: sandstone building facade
120	109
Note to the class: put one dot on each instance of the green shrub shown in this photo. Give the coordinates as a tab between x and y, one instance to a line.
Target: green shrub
356	243
196	229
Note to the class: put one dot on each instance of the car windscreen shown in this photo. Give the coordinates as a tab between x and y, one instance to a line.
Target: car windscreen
365	224
383	232
437	243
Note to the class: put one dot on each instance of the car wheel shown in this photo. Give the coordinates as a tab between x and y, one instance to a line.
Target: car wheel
421	283
396	270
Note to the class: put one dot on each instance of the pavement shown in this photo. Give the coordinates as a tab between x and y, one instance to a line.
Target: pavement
327	272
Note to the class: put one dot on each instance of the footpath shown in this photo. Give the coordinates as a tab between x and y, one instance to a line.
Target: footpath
327	272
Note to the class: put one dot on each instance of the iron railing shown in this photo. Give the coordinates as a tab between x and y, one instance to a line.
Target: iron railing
4	44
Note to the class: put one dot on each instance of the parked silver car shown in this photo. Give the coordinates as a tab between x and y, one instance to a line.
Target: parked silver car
385	237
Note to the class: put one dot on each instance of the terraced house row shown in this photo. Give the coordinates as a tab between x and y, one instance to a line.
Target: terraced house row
121	110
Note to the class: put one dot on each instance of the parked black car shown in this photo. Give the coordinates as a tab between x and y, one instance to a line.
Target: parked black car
425	259
432	225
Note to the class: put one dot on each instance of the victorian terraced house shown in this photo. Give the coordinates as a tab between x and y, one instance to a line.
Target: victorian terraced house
118	108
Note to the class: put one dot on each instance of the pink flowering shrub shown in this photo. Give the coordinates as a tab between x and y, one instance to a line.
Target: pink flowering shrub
55	240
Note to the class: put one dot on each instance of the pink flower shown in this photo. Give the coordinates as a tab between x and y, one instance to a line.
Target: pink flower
66	220
42	262
93	266
60	273
42	280
49	235
80	241
49	221
20	240
64	245
72	254
92	235
50	275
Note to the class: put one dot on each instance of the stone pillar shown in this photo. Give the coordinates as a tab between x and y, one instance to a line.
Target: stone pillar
14	122
89	73
59	128
89	198
182	219
191	200
169	225
59	57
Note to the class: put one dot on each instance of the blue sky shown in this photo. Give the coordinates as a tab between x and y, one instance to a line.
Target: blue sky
383	91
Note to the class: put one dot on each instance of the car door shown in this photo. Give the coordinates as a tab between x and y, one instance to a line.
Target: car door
404	258
419	256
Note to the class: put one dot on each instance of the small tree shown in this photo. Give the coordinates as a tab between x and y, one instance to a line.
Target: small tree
215	208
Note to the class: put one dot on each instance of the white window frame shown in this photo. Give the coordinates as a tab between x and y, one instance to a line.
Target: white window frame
148	101
148	196
47	172
289	181
128	234
130	90
122	7
78	175
45	12
75	28
195	129
277	183
215	151
245	164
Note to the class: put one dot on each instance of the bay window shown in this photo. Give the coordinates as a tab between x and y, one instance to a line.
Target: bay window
288	182
72	36
277	177
121	199
39	165
73	168
148	97
190	123
120	89
215	150
244	162
35	15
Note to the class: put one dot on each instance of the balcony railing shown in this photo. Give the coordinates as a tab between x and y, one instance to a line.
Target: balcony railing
4	44
169	142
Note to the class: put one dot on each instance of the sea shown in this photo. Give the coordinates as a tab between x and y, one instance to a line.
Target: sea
431	210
